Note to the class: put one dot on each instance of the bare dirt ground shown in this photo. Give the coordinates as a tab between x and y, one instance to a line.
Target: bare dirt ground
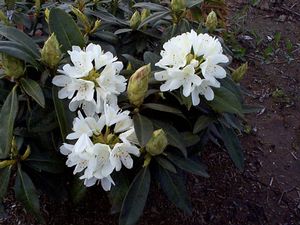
268	191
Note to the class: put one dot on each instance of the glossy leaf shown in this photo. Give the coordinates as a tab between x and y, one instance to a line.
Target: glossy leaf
202	122
165	164
8	114
188	165
65	29
33	89
118	192
13	34
163	108
193	3
233	146
27	194
226	101
63	114
143	128
153	18
136	198
4	178
150	6
174	187
78	190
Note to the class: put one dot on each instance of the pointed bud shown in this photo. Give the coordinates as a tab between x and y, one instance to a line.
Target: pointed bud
157	143
47	12
211	21
51	53
135	20
12	66
239	73
178	6
145	14
138	85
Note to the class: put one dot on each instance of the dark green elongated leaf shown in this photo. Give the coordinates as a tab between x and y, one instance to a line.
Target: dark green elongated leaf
165	164
188	165
107	36
150	6
192	3
135	63
78	190
65	29
163	108
13	34
153	18
202	122
173	186
118	192
174	137
135	200
233	146
105	16
150	57
226	101
122	31
8	114
190	139
18	51
63	114
143	128
251	109
43	161
4	178
33	89
27	194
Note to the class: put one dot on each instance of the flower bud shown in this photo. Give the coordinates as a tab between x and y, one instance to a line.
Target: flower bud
135	20
12	66
211	21
178	6
145	13
239	73
51	53
138	85
157	143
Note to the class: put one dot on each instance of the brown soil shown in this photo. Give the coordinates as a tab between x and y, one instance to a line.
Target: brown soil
268	191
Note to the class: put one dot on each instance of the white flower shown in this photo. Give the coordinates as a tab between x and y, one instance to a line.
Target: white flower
92	71
121	155
101	145
191	62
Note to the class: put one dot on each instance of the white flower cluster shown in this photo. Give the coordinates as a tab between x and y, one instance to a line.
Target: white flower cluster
191	61
102	144
93	71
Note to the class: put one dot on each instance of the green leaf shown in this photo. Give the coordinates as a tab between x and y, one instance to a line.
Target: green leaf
153	18
165	164
233	146
78	190
118	192
150	6
4	177
188	165
192	3
150	57
44	161
27	194
202	122
174	137
33	89
226	101
63	114
173	186
252	109
16	35
190	139
143	128
8	115
163	108
65	29
18	51
136	198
